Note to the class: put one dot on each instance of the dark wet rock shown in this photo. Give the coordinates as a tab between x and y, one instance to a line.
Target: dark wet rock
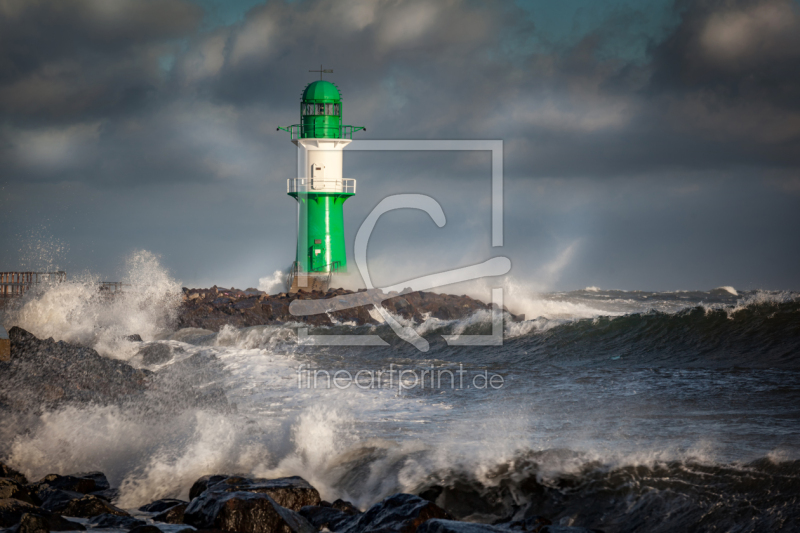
7	471
48	374
10	488
89	506
290	492
567	529
72	483
43	523
52	373
205	308
11	511
159	506
109	495
431	493
402	513
243	512
344	506
203	483
155	354
115	521
55	500
134	338
173	515
531	524
100	480
332	516
437	525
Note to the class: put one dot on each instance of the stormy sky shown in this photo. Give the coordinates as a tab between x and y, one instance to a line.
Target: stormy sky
649	145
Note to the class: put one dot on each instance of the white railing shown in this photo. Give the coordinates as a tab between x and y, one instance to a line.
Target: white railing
295	185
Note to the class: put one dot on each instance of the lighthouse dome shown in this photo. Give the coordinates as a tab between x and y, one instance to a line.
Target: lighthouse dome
321	91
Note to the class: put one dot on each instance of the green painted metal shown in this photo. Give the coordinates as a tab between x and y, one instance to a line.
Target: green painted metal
320	239
321	114
321	91
321	111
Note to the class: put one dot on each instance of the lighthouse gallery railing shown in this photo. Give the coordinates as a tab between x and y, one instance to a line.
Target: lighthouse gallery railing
344	185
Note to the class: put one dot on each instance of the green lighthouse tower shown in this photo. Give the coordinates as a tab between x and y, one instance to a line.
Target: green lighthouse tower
320	189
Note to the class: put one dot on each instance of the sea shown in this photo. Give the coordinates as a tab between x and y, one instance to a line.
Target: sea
625	411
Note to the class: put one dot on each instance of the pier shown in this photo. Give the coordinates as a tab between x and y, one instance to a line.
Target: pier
15	284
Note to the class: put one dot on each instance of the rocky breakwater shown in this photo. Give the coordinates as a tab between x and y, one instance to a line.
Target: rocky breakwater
46	374
213	308
227	503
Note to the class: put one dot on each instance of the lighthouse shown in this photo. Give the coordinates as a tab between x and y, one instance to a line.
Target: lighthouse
320	187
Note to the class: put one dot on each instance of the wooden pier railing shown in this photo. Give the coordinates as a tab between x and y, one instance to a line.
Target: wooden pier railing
14	284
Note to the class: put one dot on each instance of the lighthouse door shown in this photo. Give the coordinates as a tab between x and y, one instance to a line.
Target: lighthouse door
317	176
316	255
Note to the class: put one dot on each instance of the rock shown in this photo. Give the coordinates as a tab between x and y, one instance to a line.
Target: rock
44	523
55	500
161	505
109	495
402	513
437	525
10	488
532	524
331	516
11	511
59	372
134	338
243	512
567	529
100	480
203	483
89	506
173	515
290	492
204	309
7	471
73	483
155	354
107	520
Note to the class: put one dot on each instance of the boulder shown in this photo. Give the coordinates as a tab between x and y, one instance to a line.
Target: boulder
10	488
173	515
290	492
109	495
159	506
199	486
11	511
134	338
89	506
44	523
59	372
401	513
438	525
7	471
100	480
243	512
113	521
332	516
567	529
72	483
532	524
55	500
155	354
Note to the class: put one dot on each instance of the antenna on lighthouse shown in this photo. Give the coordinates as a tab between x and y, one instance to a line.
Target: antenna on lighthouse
323	71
